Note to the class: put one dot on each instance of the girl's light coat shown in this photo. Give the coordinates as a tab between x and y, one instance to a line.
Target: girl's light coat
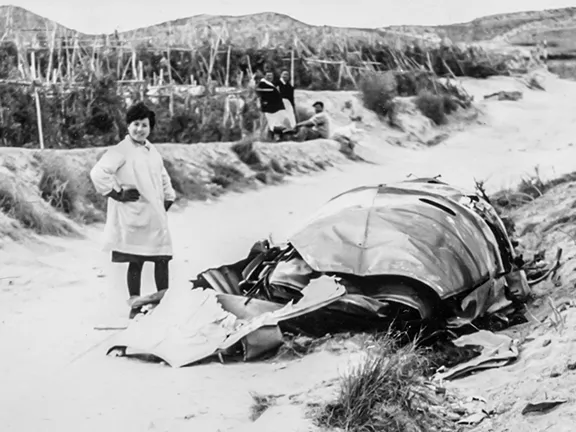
139	227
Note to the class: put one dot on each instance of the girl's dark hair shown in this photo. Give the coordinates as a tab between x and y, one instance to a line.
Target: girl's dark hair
140	111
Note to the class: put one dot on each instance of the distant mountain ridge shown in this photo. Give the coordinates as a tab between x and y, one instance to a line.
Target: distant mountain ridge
269	29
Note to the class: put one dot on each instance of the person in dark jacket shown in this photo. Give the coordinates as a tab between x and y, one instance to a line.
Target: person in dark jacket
272	105
287	92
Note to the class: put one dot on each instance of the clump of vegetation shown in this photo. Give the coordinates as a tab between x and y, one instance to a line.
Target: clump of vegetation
207	118
68	190
386	392
267	173
245	151
435	100
227	176
436	106
378	90
185	185
58	186
277	167
18	205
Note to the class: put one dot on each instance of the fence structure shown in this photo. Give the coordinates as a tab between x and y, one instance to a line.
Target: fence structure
66	60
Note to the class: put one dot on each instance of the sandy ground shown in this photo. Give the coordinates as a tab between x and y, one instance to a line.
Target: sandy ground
54	375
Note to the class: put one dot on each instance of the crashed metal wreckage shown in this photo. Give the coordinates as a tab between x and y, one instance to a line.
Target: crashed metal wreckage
411	253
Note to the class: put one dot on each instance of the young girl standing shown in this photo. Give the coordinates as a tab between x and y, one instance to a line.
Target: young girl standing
133	177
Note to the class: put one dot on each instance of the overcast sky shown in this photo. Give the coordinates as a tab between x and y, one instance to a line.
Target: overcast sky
105	16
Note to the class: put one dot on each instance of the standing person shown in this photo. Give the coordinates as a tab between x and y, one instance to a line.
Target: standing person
133	177
287	92
272	105
318	126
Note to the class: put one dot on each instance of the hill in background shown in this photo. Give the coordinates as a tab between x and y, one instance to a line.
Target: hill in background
557	26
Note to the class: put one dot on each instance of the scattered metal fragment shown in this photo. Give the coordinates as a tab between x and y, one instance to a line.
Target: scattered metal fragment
542	407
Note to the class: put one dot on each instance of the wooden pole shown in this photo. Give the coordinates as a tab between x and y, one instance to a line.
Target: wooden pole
292	67
250	67
141	78
134	68
228	67
119	61
51	58
37	102
213	55
93	57
74	55
140	70
125	70
171	107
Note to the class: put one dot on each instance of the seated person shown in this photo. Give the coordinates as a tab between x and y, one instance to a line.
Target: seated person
316	127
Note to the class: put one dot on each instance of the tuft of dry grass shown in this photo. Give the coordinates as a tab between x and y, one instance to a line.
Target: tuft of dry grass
530	188
185	184
268	173
31	213
386	391
68	190
277	167
58	187
227	176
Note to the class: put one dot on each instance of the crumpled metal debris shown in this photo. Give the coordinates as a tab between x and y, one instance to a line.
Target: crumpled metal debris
498	350
189	326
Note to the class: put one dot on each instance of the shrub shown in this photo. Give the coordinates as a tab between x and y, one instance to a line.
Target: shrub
434	106
378	90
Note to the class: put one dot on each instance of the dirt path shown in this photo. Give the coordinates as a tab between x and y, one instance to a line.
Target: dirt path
52	295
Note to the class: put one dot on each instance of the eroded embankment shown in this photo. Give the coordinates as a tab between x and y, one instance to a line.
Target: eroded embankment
49	192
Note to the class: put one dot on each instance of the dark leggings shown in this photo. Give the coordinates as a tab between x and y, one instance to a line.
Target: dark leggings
134	276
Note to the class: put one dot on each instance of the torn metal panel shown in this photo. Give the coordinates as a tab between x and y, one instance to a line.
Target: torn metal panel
189	326
186	327
401	230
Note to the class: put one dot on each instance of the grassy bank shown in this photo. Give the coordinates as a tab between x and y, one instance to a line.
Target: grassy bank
50	192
